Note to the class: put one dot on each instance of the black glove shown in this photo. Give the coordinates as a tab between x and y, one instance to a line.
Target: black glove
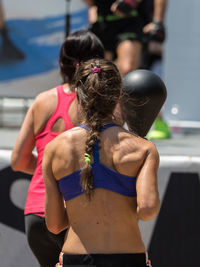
157	34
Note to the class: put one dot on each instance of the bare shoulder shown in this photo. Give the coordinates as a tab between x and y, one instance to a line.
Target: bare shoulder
62	150
58	143
45	98
133	147
150	151
43	107
136	141
147	144
63	143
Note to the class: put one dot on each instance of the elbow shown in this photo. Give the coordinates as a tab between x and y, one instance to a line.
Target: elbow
14	163
148	211
25	163
15	167
55	229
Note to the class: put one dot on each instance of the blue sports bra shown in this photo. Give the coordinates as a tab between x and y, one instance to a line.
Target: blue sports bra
104	177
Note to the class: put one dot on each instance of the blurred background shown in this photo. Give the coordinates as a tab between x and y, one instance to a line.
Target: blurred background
31	33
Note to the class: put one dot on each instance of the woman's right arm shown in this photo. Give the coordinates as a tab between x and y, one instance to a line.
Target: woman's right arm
148	202
22	158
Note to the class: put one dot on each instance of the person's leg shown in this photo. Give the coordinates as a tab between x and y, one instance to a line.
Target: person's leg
128	56
45	246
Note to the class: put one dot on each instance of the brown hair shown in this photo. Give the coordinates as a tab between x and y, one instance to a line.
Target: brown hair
98	84
79	46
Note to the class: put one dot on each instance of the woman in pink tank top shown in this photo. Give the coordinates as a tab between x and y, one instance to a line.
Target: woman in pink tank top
51	113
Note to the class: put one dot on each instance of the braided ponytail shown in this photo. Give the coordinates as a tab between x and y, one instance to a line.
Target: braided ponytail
98	84
86	174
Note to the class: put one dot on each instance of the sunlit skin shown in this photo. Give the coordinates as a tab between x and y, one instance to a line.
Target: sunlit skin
109	222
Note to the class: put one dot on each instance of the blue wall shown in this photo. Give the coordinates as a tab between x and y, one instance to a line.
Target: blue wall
40	41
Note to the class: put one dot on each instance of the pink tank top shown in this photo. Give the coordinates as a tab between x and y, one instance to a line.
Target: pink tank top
36	192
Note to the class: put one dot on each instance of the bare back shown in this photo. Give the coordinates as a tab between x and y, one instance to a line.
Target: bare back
107	223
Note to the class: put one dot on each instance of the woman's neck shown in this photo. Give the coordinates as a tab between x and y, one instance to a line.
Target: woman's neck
68	88
104	122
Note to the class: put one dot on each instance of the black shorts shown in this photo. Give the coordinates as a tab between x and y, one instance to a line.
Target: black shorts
112	33
104	260
45	246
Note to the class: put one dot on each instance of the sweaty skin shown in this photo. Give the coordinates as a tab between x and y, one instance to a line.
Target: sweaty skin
109	222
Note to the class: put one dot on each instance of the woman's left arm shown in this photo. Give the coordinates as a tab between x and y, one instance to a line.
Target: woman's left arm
148	202
160	7
55	212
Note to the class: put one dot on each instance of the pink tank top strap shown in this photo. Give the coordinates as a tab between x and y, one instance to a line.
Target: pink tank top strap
61	111
64	100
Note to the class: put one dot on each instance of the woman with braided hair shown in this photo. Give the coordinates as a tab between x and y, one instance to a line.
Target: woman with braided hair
106	175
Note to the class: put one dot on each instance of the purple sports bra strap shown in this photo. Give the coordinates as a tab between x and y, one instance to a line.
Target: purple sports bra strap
84	127
61	111
96	145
